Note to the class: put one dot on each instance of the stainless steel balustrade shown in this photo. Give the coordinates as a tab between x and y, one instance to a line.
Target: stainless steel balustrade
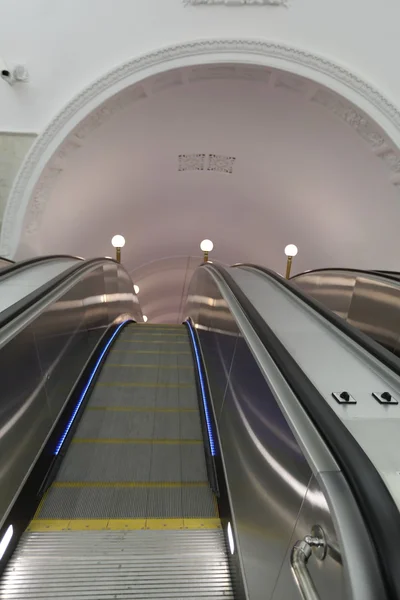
282	479
42	353
370	302
19	280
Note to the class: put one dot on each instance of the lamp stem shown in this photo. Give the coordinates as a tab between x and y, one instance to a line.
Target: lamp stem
205	257
118	250
288	266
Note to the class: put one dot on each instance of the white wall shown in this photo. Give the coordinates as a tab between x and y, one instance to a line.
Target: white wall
13	149
66	45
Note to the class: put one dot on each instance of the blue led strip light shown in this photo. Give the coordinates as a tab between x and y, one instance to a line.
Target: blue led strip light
77	407
203	389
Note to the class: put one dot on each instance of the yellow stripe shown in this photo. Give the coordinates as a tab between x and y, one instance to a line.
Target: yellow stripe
144	409
145	385
158	326
42	525
129	484
152	352
150	366
131	441
182	335
136	341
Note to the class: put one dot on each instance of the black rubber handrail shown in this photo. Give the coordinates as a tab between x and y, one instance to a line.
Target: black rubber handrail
8	260
380	513
29	262
19	307
386	357
391	275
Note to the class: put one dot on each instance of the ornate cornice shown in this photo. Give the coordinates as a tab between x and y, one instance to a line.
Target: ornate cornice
269	51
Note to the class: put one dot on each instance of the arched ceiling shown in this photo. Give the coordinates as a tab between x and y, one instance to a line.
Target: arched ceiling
249	157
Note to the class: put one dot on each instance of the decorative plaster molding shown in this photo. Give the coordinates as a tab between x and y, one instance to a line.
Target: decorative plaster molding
239	50
222	164
237	2
362	125
392	159
191	162
291	82
40	197
197	162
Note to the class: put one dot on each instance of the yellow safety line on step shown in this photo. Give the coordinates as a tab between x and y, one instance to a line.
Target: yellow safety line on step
142	409
131	441
182	335
49	525
130	365
136	341
151	352
145	385
159	326
130	484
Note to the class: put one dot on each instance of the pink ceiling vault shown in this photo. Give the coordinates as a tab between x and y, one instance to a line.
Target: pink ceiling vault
251	158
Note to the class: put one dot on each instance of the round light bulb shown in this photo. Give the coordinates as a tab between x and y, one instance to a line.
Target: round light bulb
206	245
291	250
145	318
136	288
118	241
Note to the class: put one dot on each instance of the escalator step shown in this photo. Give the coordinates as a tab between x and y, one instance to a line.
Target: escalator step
105	565
117	502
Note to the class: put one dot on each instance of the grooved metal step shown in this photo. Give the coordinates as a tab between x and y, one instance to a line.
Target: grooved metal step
132	565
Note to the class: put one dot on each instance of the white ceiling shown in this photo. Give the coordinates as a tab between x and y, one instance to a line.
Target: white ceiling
302	174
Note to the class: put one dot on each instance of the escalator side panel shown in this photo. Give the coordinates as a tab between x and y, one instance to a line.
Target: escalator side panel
269	479
48	349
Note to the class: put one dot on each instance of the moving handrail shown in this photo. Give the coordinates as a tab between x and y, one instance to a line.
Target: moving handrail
8	261
391	275
19	307
370	345
367	300
380	513
17	267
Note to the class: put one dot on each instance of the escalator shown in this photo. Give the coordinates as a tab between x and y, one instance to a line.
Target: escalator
130	513
203	460
20	280
367	300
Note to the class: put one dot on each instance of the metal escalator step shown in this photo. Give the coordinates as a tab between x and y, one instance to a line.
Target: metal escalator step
140	425
159	352
153	346
104	565
146	396
106	462
102	396
137	374
150	502
50	525
133	462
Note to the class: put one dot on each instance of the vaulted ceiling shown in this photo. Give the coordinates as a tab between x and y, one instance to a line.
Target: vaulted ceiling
251	158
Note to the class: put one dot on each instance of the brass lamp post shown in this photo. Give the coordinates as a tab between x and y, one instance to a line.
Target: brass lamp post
290	251
118	242
206	246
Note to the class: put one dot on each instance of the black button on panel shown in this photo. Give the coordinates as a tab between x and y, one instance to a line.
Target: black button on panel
385	398
344	397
